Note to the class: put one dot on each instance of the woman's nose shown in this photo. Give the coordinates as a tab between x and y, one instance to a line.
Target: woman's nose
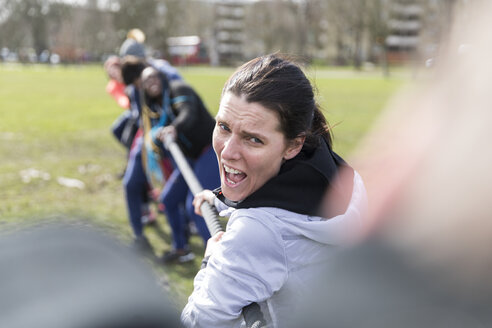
231	150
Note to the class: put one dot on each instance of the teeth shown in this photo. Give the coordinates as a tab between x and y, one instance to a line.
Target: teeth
231	170
230	181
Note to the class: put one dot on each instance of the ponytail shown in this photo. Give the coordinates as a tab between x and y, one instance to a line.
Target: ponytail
319	130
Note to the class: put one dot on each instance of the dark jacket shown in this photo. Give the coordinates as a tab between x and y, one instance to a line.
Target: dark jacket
193	122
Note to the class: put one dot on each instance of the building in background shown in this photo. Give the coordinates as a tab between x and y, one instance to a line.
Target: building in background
404	28
228	38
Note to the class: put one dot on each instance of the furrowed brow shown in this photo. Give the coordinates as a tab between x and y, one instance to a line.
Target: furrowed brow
253	134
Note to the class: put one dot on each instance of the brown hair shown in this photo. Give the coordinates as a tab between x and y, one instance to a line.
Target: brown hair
279	84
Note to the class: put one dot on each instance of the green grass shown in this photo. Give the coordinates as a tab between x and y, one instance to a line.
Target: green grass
57	120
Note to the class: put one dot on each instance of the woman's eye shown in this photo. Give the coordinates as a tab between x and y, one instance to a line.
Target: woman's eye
255	140
224	127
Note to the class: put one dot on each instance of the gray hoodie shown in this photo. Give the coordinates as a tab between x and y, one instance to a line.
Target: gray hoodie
269	256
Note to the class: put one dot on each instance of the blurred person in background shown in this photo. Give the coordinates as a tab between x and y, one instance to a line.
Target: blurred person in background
425	257
138	193
126	125
173	108
134	46
115	86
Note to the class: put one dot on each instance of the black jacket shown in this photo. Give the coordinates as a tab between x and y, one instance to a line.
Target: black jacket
193	122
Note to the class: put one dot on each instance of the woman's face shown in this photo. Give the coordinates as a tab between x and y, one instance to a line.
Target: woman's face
249	145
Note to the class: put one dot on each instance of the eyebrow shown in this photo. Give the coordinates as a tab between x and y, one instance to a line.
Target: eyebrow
253	134
245	133
242	132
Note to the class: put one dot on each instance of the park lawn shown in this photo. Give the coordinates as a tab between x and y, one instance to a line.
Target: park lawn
55	122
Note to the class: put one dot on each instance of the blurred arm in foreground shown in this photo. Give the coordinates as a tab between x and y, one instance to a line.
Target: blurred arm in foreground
425	258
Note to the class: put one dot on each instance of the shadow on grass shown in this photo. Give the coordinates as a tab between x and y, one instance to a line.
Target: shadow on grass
177	278
160	236
157	228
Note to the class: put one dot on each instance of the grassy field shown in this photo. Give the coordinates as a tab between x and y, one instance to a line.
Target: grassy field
55	124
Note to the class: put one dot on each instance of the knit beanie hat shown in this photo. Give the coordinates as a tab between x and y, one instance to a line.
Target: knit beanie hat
133	48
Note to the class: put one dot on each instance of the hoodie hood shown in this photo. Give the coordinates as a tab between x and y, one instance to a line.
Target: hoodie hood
342	229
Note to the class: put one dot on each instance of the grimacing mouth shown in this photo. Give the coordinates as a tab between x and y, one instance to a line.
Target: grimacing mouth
232	175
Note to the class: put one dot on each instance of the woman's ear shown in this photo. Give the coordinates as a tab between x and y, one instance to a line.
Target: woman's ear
294	147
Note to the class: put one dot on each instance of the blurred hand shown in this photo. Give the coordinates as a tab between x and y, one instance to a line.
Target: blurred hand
204	195
167	130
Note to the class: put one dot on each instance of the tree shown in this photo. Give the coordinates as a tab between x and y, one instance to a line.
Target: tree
29	23
30	16
278	26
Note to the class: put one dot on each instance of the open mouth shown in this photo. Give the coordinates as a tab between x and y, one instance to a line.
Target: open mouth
233	176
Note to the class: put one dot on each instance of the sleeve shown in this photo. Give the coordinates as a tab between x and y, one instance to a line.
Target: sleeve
219	205
347	228
186	109
248	266
117	91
